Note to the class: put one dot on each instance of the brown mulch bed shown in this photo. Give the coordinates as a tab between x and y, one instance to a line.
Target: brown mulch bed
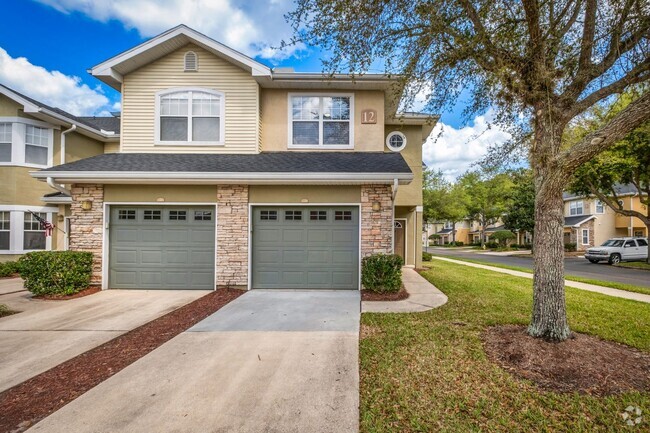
10	277
367	295
27	403
583	363
80	294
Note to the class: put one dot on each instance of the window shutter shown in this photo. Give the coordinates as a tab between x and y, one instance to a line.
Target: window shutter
191	61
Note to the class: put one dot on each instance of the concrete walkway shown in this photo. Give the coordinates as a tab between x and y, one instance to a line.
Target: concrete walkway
270	361
582	286
47	333
423	296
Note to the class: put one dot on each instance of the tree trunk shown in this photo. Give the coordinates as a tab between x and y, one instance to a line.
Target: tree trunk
453	233
647	230
549	318
481	232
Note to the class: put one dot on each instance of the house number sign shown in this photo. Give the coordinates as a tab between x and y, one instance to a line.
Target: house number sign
369	116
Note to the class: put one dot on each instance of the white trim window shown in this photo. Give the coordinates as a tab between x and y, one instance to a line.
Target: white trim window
5	230
5	142
576	208
600	207
585	236
25	142
190	116
321	121
33	234
448	225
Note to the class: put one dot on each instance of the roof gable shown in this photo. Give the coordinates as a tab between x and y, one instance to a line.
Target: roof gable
112	70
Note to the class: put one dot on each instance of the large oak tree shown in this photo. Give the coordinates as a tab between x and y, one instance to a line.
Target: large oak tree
540	63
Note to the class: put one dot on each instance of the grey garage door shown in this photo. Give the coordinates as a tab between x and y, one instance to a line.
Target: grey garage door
161	247
305	247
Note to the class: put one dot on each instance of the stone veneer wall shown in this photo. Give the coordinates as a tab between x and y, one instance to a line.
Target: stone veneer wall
376	226
232	235
87	226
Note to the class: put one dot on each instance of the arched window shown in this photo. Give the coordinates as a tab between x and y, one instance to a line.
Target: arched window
192	116
191	61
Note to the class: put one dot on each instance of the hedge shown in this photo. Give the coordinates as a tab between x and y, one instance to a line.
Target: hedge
570	247
7	269
56	272
426	257
382	273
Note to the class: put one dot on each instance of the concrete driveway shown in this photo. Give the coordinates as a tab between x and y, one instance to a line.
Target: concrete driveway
48	333
270	361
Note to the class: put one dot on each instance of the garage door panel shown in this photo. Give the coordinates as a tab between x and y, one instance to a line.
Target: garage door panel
318	253
173	252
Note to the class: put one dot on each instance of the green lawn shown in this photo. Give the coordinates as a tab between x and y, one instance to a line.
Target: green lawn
635	265
612	284
426	372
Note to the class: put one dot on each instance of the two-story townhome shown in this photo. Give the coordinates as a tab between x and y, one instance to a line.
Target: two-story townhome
35	136
229	173
589	222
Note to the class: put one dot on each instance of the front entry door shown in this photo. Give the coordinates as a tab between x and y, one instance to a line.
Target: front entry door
400	238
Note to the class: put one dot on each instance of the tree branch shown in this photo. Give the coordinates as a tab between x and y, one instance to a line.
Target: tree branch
638	74
615	206
588	33
628	119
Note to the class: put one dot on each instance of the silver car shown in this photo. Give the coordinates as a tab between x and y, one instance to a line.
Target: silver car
616	250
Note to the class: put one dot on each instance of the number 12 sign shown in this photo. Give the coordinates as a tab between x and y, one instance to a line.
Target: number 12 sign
369	116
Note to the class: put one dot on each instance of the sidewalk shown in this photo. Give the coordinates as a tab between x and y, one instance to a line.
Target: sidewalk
582	286
423	296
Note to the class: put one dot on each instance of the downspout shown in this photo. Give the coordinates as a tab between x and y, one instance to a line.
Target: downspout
63	134
56	186
392	202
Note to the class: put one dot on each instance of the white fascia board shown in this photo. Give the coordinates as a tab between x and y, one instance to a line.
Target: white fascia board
56	200
105	68
217	178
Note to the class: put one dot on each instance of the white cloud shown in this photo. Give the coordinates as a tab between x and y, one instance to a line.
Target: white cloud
50	87
253	27
454	150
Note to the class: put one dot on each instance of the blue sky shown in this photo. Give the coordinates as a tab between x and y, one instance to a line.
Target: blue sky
46	46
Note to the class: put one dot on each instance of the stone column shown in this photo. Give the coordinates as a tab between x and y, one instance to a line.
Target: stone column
87	226
376	226
232	236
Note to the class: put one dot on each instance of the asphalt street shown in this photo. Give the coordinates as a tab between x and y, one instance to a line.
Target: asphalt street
576	266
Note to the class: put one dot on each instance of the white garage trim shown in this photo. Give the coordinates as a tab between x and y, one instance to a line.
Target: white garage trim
250	231
106	221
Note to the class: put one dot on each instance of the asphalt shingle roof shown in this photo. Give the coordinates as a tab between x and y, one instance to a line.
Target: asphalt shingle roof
570	221
111	123
267	162
620	189
82	120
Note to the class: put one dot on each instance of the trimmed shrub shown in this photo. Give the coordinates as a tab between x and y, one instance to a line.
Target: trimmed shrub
56	272
426	257
527	246
502	237
491	245
570	247
382	273
7	269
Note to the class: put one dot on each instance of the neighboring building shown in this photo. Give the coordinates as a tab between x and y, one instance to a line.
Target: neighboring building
588	222
35	136
231	174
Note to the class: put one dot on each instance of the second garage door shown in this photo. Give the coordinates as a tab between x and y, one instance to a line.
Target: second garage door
305	247
161	247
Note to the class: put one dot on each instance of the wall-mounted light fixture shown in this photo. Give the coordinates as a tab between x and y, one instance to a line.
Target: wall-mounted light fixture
376	206
86	205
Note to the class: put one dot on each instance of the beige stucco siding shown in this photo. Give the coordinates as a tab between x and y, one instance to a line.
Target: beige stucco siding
241	98
275	119
160	193
304	194
19	188
411	194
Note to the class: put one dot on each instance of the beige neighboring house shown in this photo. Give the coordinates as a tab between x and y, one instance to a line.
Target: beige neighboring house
36	136
229	173
588	222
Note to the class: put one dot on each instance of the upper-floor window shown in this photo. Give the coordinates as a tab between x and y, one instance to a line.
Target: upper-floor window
25	142
190	116
600	207
576	208
449	225
321	120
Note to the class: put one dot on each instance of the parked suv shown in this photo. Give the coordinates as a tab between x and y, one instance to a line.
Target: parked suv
616	250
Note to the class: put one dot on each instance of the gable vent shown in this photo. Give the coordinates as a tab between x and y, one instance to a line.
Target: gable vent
191	61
